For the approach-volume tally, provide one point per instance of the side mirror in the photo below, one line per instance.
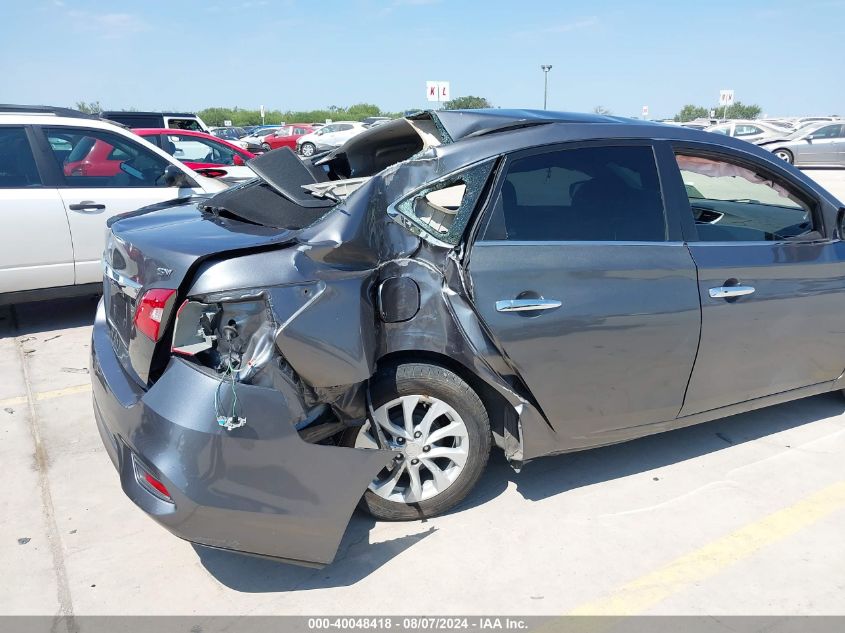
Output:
(840, 223)
(237, 160)
(175, 177)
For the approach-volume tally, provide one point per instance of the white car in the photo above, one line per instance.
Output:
(63, 174)
(328, 137)
(751, 131)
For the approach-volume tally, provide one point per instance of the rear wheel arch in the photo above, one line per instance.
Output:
(497, 406)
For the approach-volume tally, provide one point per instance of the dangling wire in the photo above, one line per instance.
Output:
(234, 420)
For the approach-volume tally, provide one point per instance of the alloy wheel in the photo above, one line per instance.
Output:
(431, 445)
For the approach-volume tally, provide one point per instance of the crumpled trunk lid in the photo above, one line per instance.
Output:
(158, 248)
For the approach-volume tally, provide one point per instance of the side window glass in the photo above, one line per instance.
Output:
(733, 203)
(443, 208)
(586, 194)
(99, 158)
(200, 150)
(747, 130)
(17, 165)
(828, 131)
(184, 124)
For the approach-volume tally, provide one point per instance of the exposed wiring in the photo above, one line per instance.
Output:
(230, 376)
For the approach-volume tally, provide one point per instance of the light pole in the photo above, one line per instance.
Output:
(546, 68)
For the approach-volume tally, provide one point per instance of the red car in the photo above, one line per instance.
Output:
(286, 137)
(201, 152)
(204, 153)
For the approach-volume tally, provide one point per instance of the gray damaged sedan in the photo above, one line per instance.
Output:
(365, 326)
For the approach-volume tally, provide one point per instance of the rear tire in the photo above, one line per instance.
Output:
(308, 149)
(424, 410)
(785, 155)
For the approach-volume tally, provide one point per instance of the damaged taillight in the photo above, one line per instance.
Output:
(231, 337)
(150, 311)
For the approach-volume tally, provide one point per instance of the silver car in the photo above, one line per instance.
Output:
(820, 144)
(751, 131)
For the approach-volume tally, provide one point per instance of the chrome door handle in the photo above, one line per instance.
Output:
(725, 292)
(524, 305)
(87, 205)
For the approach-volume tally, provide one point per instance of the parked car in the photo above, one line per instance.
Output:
(328, 137)
(58, 188)
(204, 153)
(370, 121)
(807, 120)
(751, 131)
(819, 144)
(253, 141)
(176, 120)
(783, 124)
(230, 134)
(372, 321)
(286, 136)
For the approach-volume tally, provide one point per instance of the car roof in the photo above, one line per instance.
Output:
(141, 113)
(461, 123)
(170, 130)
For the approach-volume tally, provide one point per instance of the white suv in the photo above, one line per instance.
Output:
(59, 184)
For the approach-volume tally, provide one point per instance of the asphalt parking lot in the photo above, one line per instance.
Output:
(738, 516)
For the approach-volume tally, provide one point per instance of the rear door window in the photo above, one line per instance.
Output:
(585, 194)
(17, 165)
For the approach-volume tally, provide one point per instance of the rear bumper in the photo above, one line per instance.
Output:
(259, 489)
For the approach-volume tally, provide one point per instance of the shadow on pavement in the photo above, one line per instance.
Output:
(356, 559)
(551, 476)
(47, 316)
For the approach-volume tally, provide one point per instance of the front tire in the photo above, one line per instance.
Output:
(440, 432)
(266, 147)
(308, 149)
(785, 155)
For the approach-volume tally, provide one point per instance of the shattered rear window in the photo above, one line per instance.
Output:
(442, 209)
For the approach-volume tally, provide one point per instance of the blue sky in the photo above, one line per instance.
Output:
(294, 54)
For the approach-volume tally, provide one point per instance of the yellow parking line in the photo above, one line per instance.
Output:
(8, 402)
(58, 393)
(649, 590)
(47, 395)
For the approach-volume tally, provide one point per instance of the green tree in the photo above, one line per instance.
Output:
(361, 111)
(92, 107)
(467, 103)
(739, 110)
(690, 112)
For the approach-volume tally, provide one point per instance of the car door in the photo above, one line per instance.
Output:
(822, 145)
(770, 281)
(585, 284)
(90, 200)
(36, 247)
(839, 147)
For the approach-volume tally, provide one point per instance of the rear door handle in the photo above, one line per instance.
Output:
(87, 205)
(725, 292)
(524, 305)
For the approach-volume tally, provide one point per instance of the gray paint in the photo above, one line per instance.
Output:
(624, 356)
